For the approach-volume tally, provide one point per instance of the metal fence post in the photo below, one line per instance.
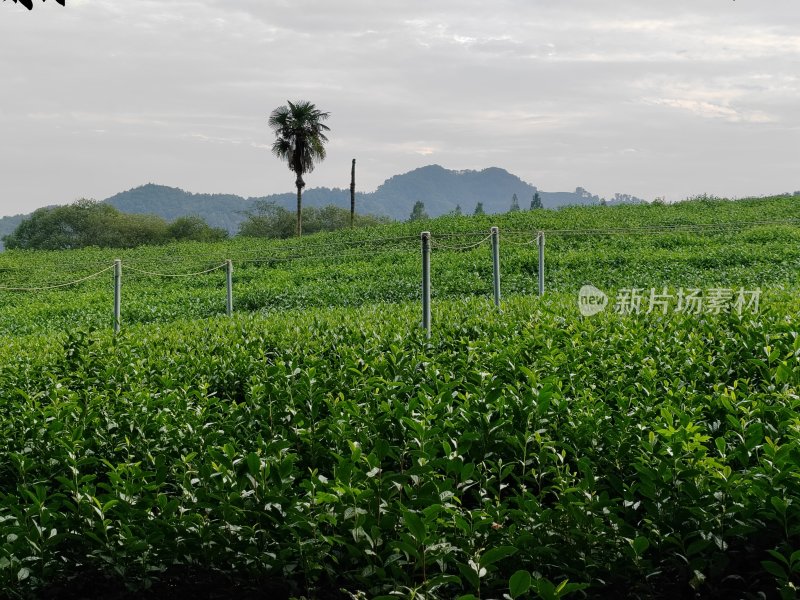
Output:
(496, 264)
(229, 282)
(117, 294)
(426, 282)
(540, 240)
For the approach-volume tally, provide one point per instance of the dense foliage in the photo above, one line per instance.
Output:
(320, 443)
(87, 223)
(267, 219)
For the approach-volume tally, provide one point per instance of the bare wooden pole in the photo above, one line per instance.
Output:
(353, 193)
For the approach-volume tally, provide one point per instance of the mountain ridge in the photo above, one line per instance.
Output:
(441, 190)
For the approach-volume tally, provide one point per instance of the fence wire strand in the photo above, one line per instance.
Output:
(366, 247)
(53, 287)
(435, 244)
(675, 228)
(154, 274)
(515, 243)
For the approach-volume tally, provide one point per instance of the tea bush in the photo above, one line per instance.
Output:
(320, 442)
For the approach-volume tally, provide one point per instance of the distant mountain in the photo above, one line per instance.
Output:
(219, 210)
(440, 189)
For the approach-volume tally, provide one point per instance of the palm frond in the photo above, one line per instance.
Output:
(299, 140)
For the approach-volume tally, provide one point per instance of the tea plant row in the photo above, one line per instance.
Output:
(524, 452)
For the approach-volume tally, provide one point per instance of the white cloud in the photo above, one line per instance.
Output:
(557, 92)
(714, 111)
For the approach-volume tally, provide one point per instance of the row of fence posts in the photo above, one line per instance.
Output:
(426, 279)
(118, 292)
(495, 238)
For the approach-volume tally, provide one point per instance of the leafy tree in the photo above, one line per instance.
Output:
(267, 219)
(479, 209)
(418, 212)
(457, 211)
(88, 223)
(130, 231)
(300, 141)
(195, 229)
(536, 202)
(85, 223)
(514, 203)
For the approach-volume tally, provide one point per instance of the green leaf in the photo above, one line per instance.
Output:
(640, 545)
(778, 504)
(253, 463)
(545, 589)
(775, 569)
(778, 556)
(407, 548)
(415, 525)
(325, 498)
(755, 434)
(23, 574)
(519, 583)
(494, 554)
(794, 559)
(783, 374)
(468, 573)
(441, 580)
(565, 587)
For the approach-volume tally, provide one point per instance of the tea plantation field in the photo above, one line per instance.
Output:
(317, 445)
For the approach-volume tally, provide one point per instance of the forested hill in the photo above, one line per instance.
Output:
(221, 210)
(440, 189)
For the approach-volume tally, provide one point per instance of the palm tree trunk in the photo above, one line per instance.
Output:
(300, 184)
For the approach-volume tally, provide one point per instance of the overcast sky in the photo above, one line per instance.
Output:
(670, 98)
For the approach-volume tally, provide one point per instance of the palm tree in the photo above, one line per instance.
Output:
(300, 140)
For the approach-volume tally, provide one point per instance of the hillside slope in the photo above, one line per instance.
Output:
(440, 189)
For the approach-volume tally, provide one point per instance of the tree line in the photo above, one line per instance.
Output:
(87, 223)
(418, 212)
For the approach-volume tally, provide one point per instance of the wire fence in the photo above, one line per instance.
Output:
(56, 286)
(367, 249)
(176, 275)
